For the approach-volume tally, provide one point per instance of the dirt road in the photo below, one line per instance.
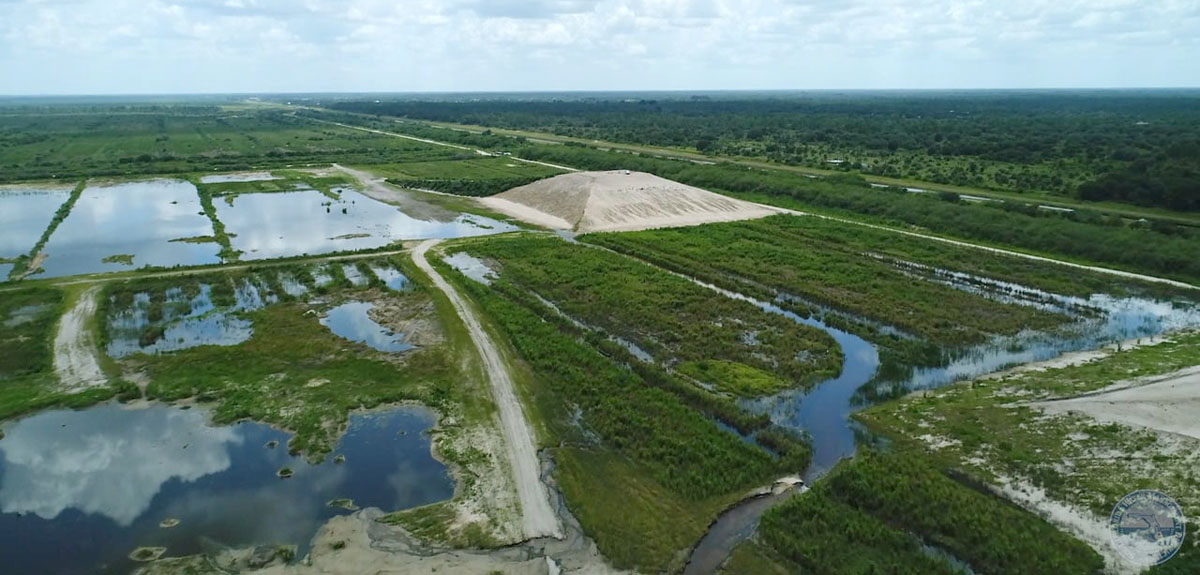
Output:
(75, 348)
(538, 518)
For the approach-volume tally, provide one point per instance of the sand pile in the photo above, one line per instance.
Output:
(619, 201)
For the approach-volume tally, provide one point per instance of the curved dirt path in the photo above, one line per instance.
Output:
(74, 348)
(537, 515)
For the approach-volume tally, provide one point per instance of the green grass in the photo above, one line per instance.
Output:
(467, 166)
(123, 259)
(649, 526)
(733, 377)
(873, 513)
(620, 431)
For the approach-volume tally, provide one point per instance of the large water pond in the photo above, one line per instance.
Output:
(80, 490)
(136, 219)
(24, 216)
(285, 224)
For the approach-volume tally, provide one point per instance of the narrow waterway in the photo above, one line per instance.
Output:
(824, 410)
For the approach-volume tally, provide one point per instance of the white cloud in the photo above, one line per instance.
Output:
(105, 461)
(321, 45)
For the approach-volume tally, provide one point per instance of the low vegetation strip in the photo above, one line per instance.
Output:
(787, 256)
(668, 317)
(27, 265)
(891, 505)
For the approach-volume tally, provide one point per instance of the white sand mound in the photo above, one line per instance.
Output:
(619, 201)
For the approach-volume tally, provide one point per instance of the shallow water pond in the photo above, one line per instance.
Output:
(183, 321)
(136, 219)
(391, 277)
(80, 490)
(309, 222)
(24, 216)
(472, 267)
(352, 321)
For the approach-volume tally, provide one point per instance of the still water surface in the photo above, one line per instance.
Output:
(80, 490)
(138, 219)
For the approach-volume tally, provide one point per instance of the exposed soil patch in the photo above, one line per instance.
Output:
(75, 349)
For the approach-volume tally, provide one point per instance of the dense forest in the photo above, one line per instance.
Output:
(1131, 146)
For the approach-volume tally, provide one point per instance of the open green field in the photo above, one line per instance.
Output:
(124, 141)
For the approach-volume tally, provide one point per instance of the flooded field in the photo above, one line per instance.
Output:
(24, 215)
(179, 320)
(130, 225)
(80, 490)
(5, 269)
(286, 224)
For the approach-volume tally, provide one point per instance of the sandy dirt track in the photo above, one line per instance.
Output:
(538, 518)
(620, 200)
(75, 348)
(1169, 403)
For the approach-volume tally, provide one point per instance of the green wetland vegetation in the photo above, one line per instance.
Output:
(797, 256)
(886, 513)
(622, 426)
(670, 318)
(292, 372)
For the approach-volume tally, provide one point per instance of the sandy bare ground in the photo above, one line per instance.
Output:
(620, 201)
(538, 518)
(1168, 403)
(1080, 523)
(75, 348)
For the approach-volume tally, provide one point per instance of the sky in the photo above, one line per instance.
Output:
(271, 46)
